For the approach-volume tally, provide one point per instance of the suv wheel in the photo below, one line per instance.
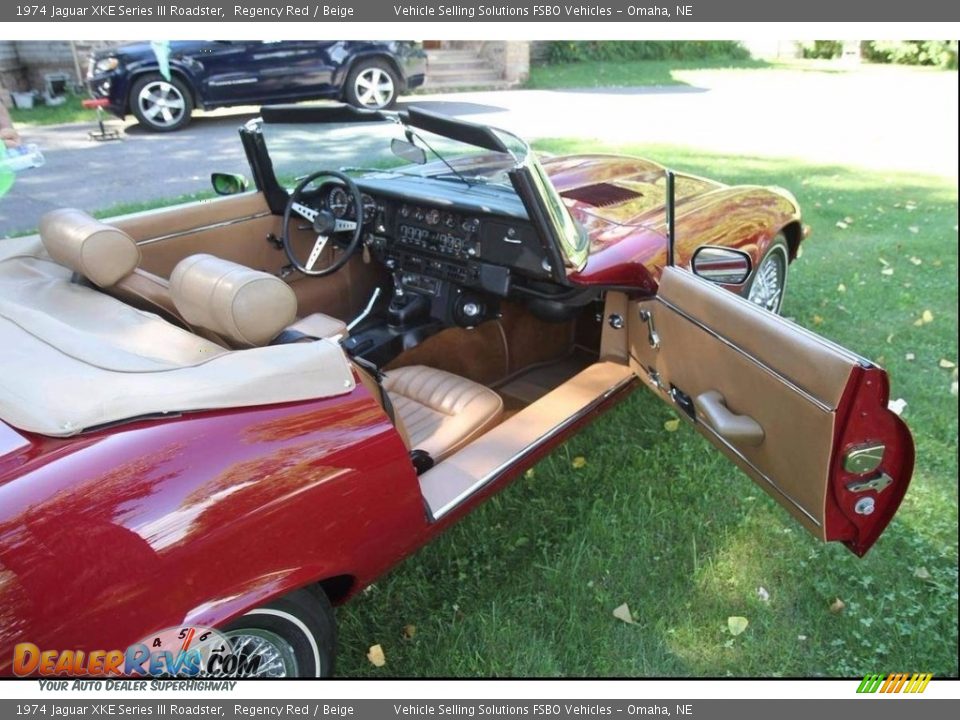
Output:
(372, 84)
(161, 105)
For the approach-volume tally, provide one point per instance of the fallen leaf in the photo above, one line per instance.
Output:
(887, 271)
(578, 462)
(883, 262)
(947, 364)
(848, 220)
(409, 631)
(530, 474)
(376, 657)
(672, 425)
(737, 624)
(914, 229)
(763, 594)
(927, 317)
(889, 338)
(922, 573)
(910, 357)
(801, 638)
(916, 261)
(897, 406)
(817, 320)
(622, 612)
(842, 225)
(841, 288)
(837, 606)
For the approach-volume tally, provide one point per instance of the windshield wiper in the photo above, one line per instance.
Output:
(408, 131)
(442, 176)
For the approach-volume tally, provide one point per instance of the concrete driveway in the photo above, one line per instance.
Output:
(879, 118)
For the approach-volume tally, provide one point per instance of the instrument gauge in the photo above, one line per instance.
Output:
(433, 217)
(338, 202)
(370, 207)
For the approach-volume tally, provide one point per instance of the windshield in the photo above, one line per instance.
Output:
(450, 151)
(297, 149)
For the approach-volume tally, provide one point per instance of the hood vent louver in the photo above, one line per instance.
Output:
(602, 194)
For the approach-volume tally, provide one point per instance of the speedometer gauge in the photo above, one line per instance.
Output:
(338, 201)
(369, 207)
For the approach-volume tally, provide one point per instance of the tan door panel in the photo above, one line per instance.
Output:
(236, 228)
(763, 390)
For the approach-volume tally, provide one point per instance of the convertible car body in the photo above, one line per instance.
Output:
(235, 413)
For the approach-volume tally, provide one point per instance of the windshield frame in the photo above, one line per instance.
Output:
(566, 240)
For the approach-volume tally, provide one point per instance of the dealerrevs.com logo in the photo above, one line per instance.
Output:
(895, 683)
(176, 652)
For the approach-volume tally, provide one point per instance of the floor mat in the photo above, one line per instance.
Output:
(533, 384)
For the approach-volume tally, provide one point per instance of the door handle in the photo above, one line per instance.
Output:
(737, 429)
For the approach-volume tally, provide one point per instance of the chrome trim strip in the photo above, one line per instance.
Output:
(769, 370)
(366, 311)
(759, 473)
(546, 437)
(212, 226)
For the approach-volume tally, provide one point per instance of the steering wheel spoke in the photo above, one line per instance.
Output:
(342, 225)
(308, 213)
(317, 251)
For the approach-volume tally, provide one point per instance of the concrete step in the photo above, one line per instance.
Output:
(440, 55)
(465, 84)
(483, 73)
(457, 64)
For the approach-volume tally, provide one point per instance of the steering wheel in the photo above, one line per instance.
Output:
(324, 224)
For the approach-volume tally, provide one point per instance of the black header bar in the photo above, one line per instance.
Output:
(420, 11)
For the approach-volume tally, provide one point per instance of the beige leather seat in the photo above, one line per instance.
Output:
(439, 411)
(109, 258)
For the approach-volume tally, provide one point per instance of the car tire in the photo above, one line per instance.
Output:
(161, 105)
(295, 636)
(769, 281)
(372, 85)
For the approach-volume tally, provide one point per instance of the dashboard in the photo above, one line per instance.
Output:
(477, 238)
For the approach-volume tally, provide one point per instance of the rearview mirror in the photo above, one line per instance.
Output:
(228, 183)
(408, 151)
(724, 266)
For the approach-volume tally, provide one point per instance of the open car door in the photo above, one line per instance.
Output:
(805, 418)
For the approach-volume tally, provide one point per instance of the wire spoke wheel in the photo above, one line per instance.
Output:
(769, 281)
(277, 658)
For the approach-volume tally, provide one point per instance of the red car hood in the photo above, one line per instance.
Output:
(613, 189)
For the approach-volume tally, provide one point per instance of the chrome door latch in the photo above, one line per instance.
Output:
(653, 338)
(877, 484)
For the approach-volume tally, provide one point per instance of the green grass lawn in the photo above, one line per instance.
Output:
(69, 112)
(526, 586)
(626, 74)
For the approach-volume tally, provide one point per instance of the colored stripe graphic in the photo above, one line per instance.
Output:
(895, 683)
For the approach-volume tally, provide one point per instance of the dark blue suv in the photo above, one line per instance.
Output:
(209, 74)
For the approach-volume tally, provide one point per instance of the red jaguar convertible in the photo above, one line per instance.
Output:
(236, 414)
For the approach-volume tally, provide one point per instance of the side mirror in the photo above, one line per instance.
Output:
(724, 266)
(228, 183)
(408, 151)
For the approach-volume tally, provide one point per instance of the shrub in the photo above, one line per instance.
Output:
(566, 51)
(823, 49)
(939, 53)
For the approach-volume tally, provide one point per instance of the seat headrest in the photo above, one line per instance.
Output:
(101, 253)
(244, 306)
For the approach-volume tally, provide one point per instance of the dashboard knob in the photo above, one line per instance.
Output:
(471, 225)
(471, 309)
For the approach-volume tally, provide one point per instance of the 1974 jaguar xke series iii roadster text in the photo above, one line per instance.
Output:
(236, 413)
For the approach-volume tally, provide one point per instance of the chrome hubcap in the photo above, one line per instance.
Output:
(768, 283)
(277, 656)
(374, 88)
(161, 103)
